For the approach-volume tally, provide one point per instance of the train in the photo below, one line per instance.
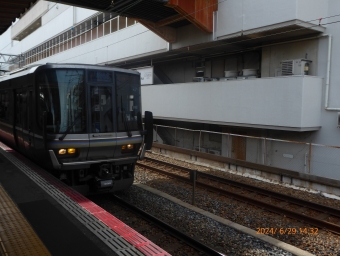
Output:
(82, 123)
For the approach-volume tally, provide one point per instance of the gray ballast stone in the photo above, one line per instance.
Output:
(209, 228)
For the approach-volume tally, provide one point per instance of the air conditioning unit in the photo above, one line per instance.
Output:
(295, 67)
(214, 152)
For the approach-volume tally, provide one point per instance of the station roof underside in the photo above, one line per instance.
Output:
(10, 10)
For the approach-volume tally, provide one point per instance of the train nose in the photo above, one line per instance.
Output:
(103, 178)
(105, 171)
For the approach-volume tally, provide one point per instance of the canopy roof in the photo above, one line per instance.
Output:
(10, 10)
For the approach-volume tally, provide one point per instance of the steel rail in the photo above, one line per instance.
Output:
(280, 210)
(173, 231)
(273, 194)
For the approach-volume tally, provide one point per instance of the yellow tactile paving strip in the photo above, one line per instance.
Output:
(16, 235)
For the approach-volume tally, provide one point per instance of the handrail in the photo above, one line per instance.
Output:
(248, 136)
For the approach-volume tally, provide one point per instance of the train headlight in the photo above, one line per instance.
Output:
(71, 151)
(127, 148)
(62, 151)
(68, 151)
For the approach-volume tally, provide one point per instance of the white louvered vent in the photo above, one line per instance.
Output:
(287, 67)
(295, 67)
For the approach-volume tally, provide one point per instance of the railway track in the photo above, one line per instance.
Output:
(316, 215)
(169, 238)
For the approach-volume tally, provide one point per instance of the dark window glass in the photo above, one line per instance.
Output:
(82, 38)
(99, 76)
(61, 93)
(4, 105)
(128, 101)
(17, 109)
(122, 22)
(101, 109)
(94, 28)
(100, 30)
(107, 28)
(130, 22)
(114, 25)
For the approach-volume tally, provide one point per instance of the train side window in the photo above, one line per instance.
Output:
(23, 102)
(4, 105)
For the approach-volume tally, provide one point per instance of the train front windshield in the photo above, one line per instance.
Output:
(61, 94)
(114, 101)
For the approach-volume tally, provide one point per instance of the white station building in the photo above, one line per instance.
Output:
(261, 68)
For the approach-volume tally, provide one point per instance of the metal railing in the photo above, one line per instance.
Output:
(304, 157)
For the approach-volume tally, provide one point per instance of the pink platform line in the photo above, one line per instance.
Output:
(130, 235)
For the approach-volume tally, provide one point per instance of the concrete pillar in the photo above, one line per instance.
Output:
(225, 147)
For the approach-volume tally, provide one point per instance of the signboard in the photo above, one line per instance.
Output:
(146, 75)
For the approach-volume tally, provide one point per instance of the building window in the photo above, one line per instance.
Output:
(96, 27)
(122, 22)
(114, 25)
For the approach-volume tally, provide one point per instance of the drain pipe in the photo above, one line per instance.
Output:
(328, 75)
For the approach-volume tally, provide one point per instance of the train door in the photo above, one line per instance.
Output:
(27, 122)
(102, 135)
(18, 116)
(23, 119)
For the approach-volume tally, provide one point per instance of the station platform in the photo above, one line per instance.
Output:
(40, 215)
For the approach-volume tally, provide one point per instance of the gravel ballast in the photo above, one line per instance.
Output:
(324, 243)
(227, 240)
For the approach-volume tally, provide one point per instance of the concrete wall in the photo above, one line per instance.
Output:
(179, 72)
(182, 71)
(278, 103)
(133, 41)
(40, 8)
(190, 35)
(273, 55)
(326, 161)
(301, 157)
(236, 16)
(314, 182)
(82, 14)
(60, 23)
(54, 11)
